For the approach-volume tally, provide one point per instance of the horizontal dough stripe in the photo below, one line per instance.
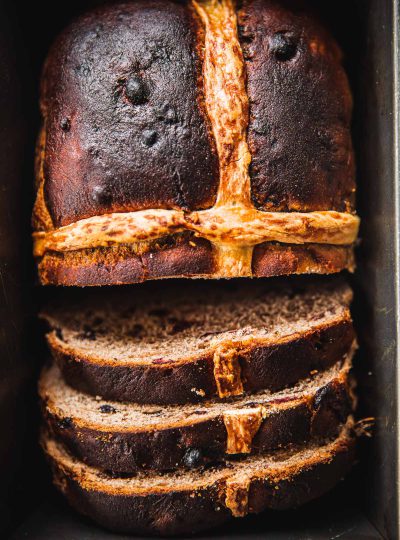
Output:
(235, 227)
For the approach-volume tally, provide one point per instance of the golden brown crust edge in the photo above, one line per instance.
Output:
(184, 256)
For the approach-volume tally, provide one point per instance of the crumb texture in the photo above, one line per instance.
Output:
(180, 323)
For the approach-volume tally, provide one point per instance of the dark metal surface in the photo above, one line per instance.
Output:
(15, 364)
(377, 308)
(365, 28)
(322, 520)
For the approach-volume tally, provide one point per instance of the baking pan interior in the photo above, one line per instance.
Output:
(365, 506)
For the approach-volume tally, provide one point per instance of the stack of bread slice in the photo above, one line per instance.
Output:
(196, 139)
(153, 398)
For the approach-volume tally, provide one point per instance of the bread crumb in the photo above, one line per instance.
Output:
(199, 392)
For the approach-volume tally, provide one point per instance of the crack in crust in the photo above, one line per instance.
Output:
(233, 225)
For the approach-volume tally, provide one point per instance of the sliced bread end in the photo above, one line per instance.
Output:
(191, 501)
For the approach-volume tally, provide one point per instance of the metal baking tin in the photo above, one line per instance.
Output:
(367, 504)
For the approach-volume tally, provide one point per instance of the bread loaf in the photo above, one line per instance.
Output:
(196, 139)
(192, 139)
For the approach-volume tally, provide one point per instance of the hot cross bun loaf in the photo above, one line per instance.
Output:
(194, 139)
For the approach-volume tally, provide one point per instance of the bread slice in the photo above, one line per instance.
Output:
(186, 344)
(126, 437)
(183, 256)
(189, 501)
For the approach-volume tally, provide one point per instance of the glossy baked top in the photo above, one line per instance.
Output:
(162, 118)
(124, 118)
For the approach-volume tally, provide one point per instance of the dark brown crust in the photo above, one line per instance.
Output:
(106, 152)
(183, 256)
(300, 110)
(192, 511)
(271, 367)
(318, 417)
(177, 256)
(283, 259)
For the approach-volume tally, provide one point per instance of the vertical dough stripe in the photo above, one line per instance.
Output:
(228, 108)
